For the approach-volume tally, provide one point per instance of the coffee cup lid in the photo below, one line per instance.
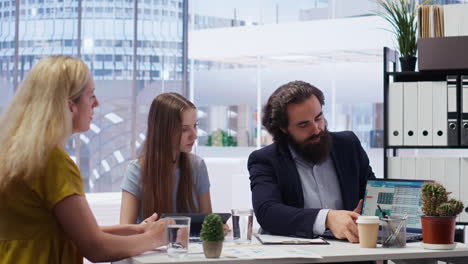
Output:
(368, 220)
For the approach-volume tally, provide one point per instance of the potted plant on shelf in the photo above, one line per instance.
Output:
(438, 221)
(212, 236)
(401, 14)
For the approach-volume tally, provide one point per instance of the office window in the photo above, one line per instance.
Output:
(107, 49)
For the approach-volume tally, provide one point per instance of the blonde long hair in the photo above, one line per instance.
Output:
(39, 118)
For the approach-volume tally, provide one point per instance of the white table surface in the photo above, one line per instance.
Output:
(336, 251)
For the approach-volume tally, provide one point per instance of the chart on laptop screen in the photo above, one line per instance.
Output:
(396, 198)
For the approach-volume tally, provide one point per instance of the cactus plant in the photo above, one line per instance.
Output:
(436, 203)
(212, 228)
(450, 208)
(438, 223)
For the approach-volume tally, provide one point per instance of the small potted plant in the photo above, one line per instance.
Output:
(438, 221)
(402, 14)
(212, 236)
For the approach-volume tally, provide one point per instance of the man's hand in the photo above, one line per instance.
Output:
(343, 223)
(358, 209)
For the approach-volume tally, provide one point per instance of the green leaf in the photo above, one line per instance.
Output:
(212, 228)
(401, 15)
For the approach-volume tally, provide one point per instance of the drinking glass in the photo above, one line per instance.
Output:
(178, 231)
(242, 220)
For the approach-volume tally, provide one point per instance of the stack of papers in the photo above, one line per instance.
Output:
(285, 240)
(262, 252)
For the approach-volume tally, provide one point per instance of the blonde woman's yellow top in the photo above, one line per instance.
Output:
(29, 230)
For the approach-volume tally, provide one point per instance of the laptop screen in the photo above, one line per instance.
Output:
(396, 197)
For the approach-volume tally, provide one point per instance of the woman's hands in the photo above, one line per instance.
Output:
(156, 229)
(150, 219)
(226, 229)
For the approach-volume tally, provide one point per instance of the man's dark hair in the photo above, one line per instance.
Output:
(275, 112)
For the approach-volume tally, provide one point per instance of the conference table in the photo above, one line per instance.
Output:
(335, 251)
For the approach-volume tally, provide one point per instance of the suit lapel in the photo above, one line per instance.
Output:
(339, 164)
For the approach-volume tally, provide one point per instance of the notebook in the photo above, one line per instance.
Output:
(196, 221)
(396, 197)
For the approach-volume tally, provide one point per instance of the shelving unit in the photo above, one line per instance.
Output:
(391, 74)
(391, 62)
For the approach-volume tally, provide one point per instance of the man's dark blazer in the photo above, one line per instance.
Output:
(277, 195)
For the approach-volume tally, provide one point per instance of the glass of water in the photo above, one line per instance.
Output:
(178, 233)
(242, 220)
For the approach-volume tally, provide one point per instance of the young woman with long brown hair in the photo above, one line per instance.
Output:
(166, 178)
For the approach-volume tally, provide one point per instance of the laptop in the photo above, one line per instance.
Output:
(396, 197)
(196, 221)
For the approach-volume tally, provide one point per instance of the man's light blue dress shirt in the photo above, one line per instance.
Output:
(320, 187)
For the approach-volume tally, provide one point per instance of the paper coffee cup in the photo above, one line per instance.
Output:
(368, 229)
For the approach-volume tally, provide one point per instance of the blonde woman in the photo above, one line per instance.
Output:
(44, 216)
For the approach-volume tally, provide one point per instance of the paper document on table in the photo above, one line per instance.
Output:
(195, 248)
(262, 252)
(285, 240)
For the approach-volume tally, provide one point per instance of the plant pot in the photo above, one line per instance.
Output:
(212, 249)
(438, 232)
(408, 63)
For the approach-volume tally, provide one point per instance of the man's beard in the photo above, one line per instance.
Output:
(317, 152)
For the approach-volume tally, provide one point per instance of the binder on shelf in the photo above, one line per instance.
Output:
(394, 167)
(410, 113)
(452, 113)
(455, 20)
(438, 169)
(452, 176)
(464, 112)
(408, 168)
(463, 30)
(395, 114)
(423, 168)
(452, 16)
(438, 21)
(430, 21)
(439, 113)
(424, 113)
(462, 188)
